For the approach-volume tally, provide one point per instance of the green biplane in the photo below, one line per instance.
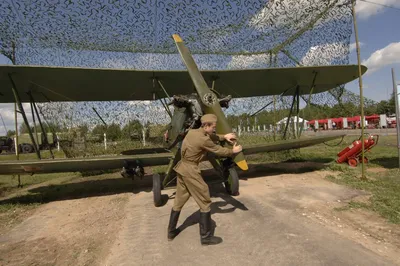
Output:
(44, 84)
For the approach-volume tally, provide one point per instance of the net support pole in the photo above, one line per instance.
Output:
(363, 176)
(397, 104)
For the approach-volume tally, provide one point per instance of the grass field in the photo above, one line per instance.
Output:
(384, 185)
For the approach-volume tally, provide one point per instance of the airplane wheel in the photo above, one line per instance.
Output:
(157, 190)
(232, 185)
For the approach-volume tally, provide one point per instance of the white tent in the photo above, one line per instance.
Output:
(293, 119)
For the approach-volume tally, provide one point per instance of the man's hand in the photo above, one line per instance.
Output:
(236, 148)
(230, 137)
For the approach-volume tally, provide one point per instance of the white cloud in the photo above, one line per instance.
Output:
(353, 46)
(317, 55)
(249, 61)
(383, 57)
(365, 10)
(301, 8)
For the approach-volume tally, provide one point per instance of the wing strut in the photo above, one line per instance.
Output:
(44, 132)
(162, 87)
(164, 103)
(22, 112)
(94, 109)
(291, 111)
(309, 99)
(268, 104)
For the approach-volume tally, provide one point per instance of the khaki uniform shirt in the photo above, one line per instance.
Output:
(195, 147)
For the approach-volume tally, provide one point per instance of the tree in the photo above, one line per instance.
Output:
(113, 132)
(83, 129)
(383, 107)
(24, 129)
(99, 130)
(10, 133)
(387, 107)
(133, 128)
(392, 105)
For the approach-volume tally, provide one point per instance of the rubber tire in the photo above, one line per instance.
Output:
(157, 190)
(26, 148)
(232, 187)
(365, 159)
(353, 162)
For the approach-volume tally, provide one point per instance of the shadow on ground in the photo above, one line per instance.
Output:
(386, 162)
(216, 207)
(109, 186)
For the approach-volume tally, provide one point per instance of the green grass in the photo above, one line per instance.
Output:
(31, 156)
(384, 187)
(384, 154)
(353, 205)
(8, 184)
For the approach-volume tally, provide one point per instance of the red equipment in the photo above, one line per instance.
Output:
(352, 153)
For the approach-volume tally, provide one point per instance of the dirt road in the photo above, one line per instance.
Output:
(287, 219)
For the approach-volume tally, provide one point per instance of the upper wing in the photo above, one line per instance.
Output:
(95, 84)
(288, 144)
(82, 164)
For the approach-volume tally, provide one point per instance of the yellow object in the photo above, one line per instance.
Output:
(243, 165)
(176, 38)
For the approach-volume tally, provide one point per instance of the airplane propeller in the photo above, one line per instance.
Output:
(208, 98)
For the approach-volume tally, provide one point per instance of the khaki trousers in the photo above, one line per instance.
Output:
(191, 184)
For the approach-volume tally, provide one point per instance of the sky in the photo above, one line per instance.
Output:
(379, 36)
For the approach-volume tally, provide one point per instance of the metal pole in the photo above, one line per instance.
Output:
(162, 87)
(274, 126)
(144, 136)
(16, 131)
(21, 109)
(13, 60)
(290, 115)
(396, 100)
(105, 141)
(308, 101)
(44, 132)
(16, 140)
(94, 109)
(5, 128)
(361, 91)
(298, 112)
(34, 125)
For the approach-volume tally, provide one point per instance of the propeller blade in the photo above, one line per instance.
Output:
(208, 98)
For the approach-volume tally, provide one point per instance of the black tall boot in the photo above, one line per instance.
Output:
(173, 220)
(206, 237)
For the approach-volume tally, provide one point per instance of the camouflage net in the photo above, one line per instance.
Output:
(137, 35)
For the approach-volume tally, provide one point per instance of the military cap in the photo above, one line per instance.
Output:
(209, 118)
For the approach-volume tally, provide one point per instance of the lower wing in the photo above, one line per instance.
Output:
(83, 164)
(288, 144)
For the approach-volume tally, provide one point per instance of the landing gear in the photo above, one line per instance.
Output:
(157, 190)
(27, 148)
(232, 183)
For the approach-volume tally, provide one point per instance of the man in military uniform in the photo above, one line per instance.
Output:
(189, 181)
